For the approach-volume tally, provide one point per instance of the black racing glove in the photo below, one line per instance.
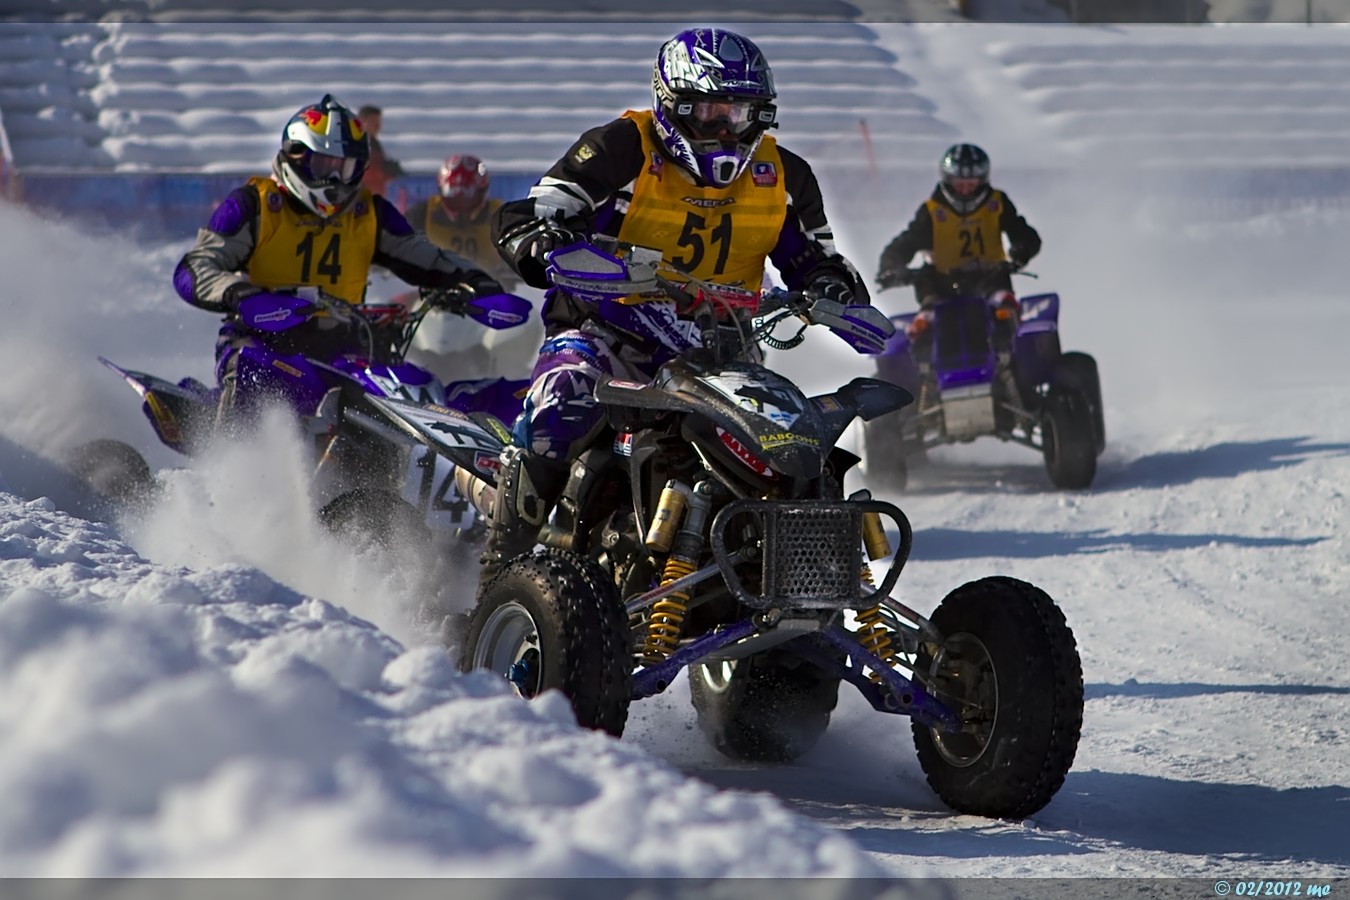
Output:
(483, 285)
(237, 293)
(527, 246)
(456, 298)
(830, 287)
(889, 278)
(1018, 257)
(549, 237)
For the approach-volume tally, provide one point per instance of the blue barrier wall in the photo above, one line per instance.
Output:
(172, 205)
(169, 206)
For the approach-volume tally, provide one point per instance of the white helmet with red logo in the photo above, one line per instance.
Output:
(463, 180)
(324, 152)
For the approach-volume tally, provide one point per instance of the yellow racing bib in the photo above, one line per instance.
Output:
(967, 241)
(722, 235)
(471, 240)
(294, 250)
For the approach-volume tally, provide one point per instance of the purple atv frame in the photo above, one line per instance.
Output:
(972, 384)
(368, 474)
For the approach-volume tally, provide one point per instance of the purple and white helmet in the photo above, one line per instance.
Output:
(712, 93)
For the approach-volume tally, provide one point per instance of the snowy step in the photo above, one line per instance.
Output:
(214, 96)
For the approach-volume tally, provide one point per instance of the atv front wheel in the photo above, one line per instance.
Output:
(1078, 371)
(113, 470)
(1009, 668)
(1069, 443)
(770, 707)
(549, 621)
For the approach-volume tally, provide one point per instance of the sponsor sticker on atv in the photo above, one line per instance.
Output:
(741, 452)
(487, 463)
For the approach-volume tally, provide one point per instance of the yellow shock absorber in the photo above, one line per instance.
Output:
(873, 632)
(667, 618)
(875, 637)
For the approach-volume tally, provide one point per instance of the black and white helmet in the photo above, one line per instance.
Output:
(324, 152)
(965, 177)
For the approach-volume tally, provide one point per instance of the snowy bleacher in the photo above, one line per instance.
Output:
(46, 75)
(168, 113)
(211, 98)
(1268, 96)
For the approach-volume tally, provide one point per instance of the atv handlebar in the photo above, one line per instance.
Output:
(958, 281)
(387, 329)
(496, 311)
(590, 272)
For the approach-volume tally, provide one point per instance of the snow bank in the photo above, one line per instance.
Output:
(172, 722)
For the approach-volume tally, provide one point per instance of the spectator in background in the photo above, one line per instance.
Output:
(382, 168)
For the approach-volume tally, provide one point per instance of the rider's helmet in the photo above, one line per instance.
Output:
(463, 180)
(965, 177)
(712, 94)
(324, 152)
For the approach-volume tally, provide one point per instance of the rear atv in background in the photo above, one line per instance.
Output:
(709, 531)
(978, 369)
(368, 478)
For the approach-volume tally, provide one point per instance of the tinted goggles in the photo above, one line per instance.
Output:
(709, 118)
(321, 167)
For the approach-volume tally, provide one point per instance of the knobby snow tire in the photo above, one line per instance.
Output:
(1078, 371)
(113, 470)
(584, 641)
(887, 453)
(1037, 681)
(773, 707)
(1070, 443)
(372, 514)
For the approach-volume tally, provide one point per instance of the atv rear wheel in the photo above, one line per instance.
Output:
(1009, 668)
(770, 707)
(550, 621)
(113, 470)
(1078, 371)
(1069, 443)
(887, 450)
(371, 515)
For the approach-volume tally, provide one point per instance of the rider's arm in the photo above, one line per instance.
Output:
(417, 215)
(210, 275)
(1024, 242)
(603, 161)
(805, 249)
(412, 257)
(917, 237)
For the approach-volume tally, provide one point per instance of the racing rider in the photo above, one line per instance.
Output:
(695, 176)
(310, 224)
(961, 225)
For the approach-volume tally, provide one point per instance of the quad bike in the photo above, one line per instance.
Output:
(709, 531)
(367, 476)
(978, 370)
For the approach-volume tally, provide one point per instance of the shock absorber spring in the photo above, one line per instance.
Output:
(667, 617)
(875, 636)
